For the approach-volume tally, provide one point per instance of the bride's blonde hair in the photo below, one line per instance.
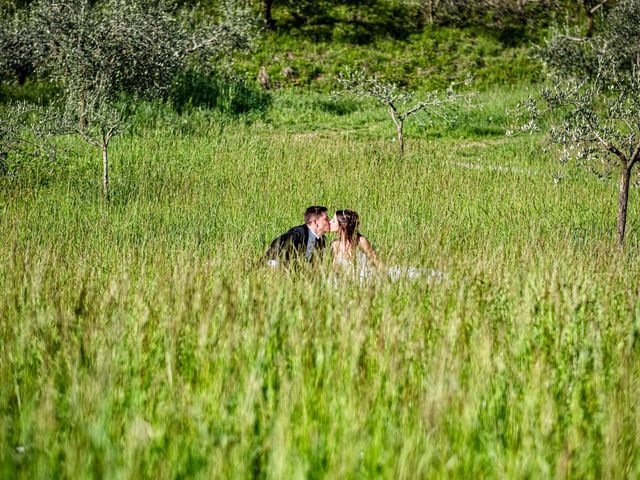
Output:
(348, 222)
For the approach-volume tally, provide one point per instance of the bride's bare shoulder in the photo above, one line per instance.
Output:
(367, 248)
(364, 242)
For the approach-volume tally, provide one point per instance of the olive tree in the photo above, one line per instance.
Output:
(99, 50)
(96, 51)
(596, 86)
(399, 103)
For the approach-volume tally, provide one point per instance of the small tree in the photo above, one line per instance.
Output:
(100, 50)
(597, 85)
(399, 103)
(102, 120)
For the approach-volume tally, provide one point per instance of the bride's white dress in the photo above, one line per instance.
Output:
(360, 268)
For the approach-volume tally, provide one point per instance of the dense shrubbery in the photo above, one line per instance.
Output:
(512, 21)
(226, 93)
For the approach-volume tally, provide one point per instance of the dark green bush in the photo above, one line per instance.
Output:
(338, 106)
(227, 93)
(31, 91)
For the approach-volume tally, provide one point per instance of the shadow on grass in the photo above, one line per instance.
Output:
(226, 93)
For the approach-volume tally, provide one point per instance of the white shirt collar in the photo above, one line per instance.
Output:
(313, 234)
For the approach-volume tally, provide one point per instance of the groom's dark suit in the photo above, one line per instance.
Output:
(292, 245)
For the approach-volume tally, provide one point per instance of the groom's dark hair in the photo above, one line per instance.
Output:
(313, 213)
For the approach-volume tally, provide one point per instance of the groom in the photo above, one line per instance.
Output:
(303, 242)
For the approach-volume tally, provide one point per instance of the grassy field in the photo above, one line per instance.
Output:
(141, 338)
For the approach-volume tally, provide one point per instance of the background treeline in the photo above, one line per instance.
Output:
(362, 21)
(293, 26)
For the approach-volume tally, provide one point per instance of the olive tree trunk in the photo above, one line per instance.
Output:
(398, 120)
(105, 169)
(83, 122)
(589, 13)
(626, 166)
(623, 200)
(399, 128)
(268, 18)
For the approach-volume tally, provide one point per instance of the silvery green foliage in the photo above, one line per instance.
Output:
(600, 126)
(22, 123)
(400, 103)
(568, 54)
(131, 44)
(135, 46)
(363, 86)
(27, 128)
(13, 133)
(103, 119)
(596, 83)
(217, 37)
(122, 46)
(389, 94)
(18, 46)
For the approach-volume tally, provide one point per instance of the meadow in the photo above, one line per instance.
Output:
(142, 338)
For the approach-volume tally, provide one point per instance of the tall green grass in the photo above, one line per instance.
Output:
(141, 338)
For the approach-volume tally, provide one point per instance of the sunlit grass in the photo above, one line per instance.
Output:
(142, 339)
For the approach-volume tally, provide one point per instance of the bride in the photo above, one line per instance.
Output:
(353, 253)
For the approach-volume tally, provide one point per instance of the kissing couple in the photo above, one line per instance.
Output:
(305, 243)
(350, 250)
